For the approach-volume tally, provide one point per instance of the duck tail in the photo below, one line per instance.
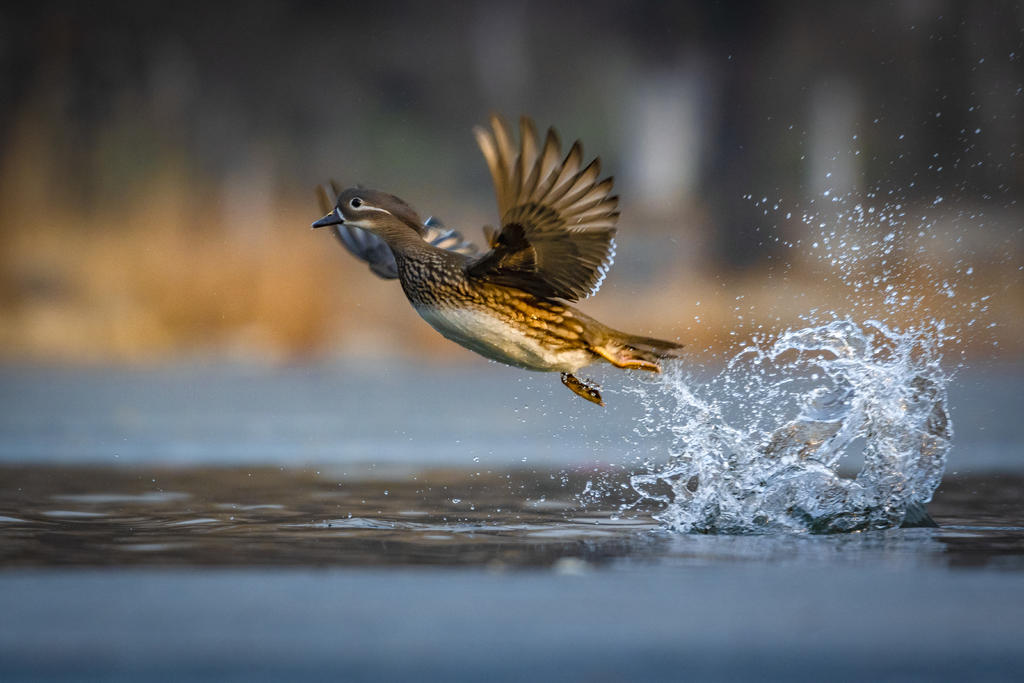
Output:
(635, 352)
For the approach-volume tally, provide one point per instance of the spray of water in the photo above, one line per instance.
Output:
(763, 445)
(837, 426)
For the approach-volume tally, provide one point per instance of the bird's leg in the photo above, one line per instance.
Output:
(582, 389)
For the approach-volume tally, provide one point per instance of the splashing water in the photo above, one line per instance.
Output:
(830, 387)
(838, 426)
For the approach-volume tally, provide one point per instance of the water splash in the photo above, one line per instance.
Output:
(839, 423)
(763, 445)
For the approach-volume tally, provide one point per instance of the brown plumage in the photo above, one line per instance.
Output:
(555, 245)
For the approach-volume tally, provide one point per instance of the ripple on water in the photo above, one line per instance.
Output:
(108, 498)
(73, 514)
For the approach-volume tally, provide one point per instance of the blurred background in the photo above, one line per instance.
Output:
(192, 380)
(158, 160)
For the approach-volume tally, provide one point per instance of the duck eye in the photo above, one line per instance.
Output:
(356, 202)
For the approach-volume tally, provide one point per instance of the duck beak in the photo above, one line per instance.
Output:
(333, 218)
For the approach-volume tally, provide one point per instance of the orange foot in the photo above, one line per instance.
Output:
(582, 389)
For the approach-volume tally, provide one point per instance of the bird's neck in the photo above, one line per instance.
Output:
(403, 240)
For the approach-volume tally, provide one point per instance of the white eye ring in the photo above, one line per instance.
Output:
(356, 202)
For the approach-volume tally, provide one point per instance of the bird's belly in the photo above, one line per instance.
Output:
(494, 338)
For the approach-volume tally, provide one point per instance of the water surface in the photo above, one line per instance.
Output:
(237, 523)
(133, 516)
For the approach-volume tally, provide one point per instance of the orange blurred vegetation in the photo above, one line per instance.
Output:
(151, 283)
(154, 167)
(169, 273)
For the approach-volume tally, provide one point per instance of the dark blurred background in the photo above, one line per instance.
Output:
(157, 162)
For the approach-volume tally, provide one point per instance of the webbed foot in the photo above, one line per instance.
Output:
(582, 389)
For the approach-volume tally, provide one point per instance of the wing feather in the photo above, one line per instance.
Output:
(567, 174)
(548, 166)
(557, 218)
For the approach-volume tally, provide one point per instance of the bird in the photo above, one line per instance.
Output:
(512, 302)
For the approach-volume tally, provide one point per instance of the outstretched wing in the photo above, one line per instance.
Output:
(557, 218)
(375, 251)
